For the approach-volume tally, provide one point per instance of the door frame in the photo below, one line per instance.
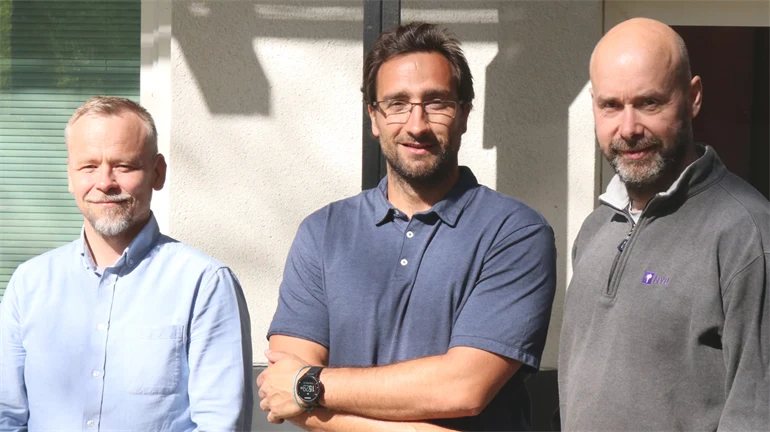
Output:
(741, 13)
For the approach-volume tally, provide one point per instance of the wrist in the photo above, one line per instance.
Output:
(308, 389)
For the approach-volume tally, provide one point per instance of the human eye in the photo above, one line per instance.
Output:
(396, 106)
(438, 105)
(650, 103)
(124, 167)
(609, 105)
(87, 168)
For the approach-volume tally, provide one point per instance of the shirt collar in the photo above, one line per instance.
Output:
(697, 176)
(448, 209)
(135, 251)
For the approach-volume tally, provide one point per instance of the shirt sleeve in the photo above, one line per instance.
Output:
(14, 408)
(220, 384)
(746, 349)
(510, 308)
(302, 311)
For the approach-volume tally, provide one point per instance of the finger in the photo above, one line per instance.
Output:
(274, 356)
(264, 406)
(262, 394)
(272, 418)
(261, 378)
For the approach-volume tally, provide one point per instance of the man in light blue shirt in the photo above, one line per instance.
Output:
(125, 328)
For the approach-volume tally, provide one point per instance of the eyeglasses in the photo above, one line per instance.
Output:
(436, 110)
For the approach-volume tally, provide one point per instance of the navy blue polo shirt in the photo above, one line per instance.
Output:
(375, 287)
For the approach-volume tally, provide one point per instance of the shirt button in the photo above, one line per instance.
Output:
(101, 327)
(90, 423)
(395, 212)
(404, 262)
(95, 373)
(130, 262)
(409, 234)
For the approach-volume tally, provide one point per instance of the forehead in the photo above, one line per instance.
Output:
(415, 74)
(632, 73)
(121, 134)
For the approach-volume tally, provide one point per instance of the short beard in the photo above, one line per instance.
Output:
(435, 174)
(112, 222)
(660, 165)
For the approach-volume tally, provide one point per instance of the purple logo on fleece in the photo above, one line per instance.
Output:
(650, 278)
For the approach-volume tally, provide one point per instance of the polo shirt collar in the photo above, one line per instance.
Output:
(139, 247)
(448, 209)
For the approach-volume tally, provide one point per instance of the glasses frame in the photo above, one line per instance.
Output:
(376, 105)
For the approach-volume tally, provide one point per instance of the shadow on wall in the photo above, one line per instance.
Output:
(223, 33)
(540, 68)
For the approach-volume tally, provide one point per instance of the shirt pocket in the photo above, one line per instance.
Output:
(154, 359)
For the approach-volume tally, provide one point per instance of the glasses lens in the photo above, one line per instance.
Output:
(436, 111)
(396, 107)
(441, 107)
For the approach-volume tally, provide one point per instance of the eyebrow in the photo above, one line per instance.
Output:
(427, 95)
(600, 99)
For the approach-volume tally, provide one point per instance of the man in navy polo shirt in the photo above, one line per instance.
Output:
(428, 297)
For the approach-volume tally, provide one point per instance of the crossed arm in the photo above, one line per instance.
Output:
(395, 397)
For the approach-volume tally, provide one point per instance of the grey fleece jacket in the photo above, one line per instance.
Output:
(672, 332)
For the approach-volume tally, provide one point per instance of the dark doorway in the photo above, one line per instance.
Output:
(733, 63)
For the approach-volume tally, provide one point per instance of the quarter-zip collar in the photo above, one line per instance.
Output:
(700, 174)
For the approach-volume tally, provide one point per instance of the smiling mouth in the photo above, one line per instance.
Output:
(416, 145)
(636, 153)
(108, 203)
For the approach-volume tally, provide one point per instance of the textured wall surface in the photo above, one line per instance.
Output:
(265, 128)
(264, 121)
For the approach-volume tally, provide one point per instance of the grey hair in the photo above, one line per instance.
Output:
(111, 105)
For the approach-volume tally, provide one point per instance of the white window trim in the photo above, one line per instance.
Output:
(155, 90)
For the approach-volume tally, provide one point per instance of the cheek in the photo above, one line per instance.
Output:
(138, 186)
(665, 128)
(606, 129)
(388, 132)
(81, 185)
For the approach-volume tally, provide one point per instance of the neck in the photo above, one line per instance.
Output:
(414, 197)
(641, 195)
(106, 250)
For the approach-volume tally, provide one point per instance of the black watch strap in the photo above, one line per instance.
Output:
(314, 371)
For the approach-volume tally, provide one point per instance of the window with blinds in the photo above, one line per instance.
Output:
(53, 56)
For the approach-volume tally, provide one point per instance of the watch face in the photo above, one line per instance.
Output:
(308, 388)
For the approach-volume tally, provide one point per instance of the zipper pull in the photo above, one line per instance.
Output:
(622, 244)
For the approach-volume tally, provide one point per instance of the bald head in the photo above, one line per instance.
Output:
(643, 101)
(643, 43)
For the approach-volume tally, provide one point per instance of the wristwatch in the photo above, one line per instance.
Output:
(309, 387)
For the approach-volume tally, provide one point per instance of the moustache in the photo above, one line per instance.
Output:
(421, 141)
(619, 145)
(108, 198)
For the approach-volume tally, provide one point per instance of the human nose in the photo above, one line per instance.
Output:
(105, 179)
(417, 123)
(629, 126)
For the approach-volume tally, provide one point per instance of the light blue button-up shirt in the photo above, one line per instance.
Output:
(158, 342)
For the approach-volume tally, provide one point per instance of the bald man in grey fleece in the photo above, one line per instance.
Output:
(666, 323)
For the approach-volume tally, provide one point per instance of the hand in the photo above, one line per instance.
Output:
(277, 386)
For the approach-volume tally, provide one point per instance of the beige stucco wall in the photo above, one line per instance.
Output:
(260, 117)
